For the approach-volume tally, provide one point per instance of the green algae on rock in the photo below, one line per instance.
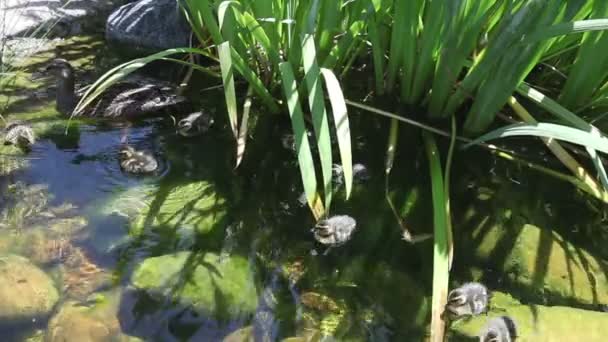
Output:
(222, 289)
(26, 292)
(538, 323)
(195, 205)
(91, 321)
(541, 265)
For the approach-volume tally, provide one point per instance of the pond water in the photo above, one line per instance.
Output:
(203, 252)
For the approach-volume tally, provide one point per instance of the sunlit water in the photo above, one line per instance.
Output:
(377, 287)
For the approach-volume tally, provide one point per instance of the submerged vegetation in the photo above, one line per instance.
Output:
(473, 71)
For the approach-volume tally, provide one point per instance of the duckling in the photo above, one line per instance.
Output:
(134, 161)
(334, 231)
(499, 329)
(470, 299)
(194, 124)
(128, 98)
(19, 134)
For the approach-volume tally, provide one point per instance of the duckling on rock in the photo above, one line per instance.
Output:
(334, 231)
(470, 299)
(19, 134)
(128, 98)
(138, 162)
(194, 124)
(499, 329)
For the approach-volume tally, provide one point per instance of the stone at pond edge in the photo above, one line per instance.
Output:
(541, 265)
(77, 323)
(539, 323)
(218, 288)
(26, 292)
(148, 26)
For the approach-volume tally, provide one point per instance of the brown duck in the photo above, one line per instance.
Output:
(132, 97)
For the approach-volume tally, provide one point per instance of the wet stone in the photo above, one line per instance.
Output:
(213, 287)
(542, 266)
(537, 322)
(26, 292)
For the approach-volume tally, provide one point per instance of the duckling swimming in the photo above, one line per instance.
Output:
(127, 98)
(194, 124)
(334, 231)
(470, 299)
(499, 329)
(138, 162)
(19, 134)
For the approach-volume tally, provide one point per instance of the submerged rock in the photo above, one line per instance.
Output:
(90, 321)
(26, 292)
(542, 266)
(538, 322)
(196, 205)
(222, 289)
(149, 25)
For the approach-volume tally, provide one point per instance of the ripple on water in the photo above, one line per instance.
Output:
(91, 171)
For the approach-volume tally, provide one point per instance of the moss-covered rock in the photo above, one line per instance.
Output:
(195, 205)
(26, 292)
(542, 266)
(93, 320)
(218, 288)
(538, 323)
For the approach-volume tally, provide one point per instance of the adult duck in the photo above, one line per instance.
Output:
(129, 98)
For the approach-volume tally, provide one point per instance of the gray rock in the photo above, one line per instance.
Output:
(58, 17)
(26, 292)
(148, 26)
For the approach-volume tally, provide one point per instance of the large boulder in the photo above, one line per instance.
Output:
(26, 292)
(148, 26)
(538, 322)
(213, 286)
(60, 17)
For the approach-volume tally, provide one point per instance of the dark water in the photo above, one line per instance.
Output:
(377, 287)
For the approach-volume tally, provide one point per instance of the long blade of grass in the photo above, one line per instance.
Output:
(228, 81)
(241, 141)
(340, 113)
(441, 246)
(552, 106)
(561, 29)
(589, 71)
(312, 77)
(398, 32)
(377, 54)
(305, 161)
(548, 130)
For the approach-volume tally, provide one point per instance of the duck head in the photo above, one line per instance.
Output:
(126, 152)
(60, 68)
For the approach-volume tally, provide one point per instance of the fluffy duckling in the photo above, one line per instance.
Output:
(194, 124)
(334, 231)
(131, 97)
(138, 162)
(470, 299)
(19, 134)
(499, 329)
